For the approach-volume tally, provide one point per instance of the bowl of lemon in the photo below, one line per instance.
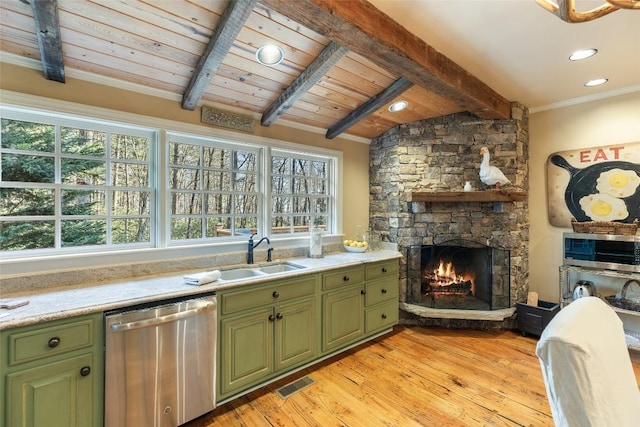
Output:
(355, 245)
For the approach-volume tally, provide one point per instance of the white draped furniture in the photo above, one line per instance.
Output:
(587, 369)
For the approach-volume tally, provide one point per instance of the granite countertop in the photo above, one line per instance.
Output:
(64, 303)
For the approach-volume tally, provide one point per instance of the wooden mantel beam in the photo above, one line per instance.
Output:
(45, 14)
(229, 25)
(364, 29)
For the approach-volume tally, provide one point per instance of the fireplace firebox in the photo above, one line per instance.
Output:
(458, 274)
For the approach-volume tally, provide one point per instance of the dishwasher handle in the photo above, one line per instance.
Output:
(201, 308)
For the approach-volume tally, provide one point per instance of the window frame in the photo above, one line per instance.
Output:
(58, 186)
(18, 264)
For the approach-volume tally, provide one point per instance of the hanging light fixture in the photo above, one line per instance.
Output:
(566, 9)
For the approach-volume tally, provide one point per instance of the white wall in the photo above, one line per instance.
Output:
(607, 121)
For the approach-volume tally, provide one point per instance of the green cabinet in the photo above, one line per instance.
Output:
(265, 330)
(342, 307)
(52, 374)
(358, 302)
(381, 296)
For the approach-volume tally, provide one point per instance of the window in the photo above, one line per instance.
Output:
(300, 196)
(70, 184)
(213, 189)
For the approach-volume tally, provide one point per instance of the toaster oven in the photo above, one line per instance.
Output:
(606, 251)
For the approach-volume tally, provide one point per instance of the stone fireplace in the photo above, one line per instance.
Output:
(458, 274)
(438, 156)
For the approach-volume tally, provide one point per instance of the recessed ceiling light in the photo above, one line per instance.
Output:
(269, 55)
(582, 54)
(398, 106)
(596, 82)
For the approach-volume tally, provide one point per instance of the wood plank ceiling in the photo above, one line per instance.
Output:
(345, 61)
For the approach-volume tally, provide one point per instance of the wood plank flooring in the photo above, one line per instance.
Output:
(411, 377)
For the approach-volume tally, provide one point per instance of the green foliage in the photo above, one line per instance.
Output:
(29, 156)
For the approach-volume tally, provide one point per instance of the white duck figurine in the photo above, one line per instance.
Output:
(491, 175)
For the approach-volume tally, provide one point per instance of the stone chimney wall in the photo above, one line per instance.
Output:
(440, 155)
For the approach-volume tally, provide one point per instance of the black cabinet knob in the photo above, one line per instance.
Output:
(362, 292)
(272, 318)
(85, 370)
(54, 342)
(279, 316)
(384, 270)
(384, 291)
(345, 278)
(384, 316)
(275, 294)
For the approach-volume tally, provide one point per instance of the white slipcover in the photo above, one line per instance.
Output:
(587, 369)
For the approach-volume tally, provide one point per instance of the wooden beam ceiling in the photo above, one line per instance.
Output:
(360, 27)
(304, 82)
(45, 14)
(372, 105)
(231, 22)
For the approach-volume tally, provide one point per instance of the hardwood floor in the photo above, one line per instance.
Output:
(411, 377)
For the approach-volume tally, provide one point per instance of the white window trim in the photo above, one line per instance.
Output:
(10, 266)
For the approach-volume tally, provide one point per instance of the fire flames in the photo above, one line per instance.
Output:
(445, 274)
(444, 279)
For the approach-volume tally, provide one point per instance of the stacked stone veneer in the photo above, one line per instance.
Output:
(440, 155)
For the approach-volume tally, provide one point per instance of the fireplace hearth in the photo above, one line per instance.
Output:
(458, 274)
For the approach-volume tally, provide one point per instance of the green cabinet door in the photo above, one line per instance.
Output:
(58, 394)
(295, 334)
(246, 350)
(342, 317)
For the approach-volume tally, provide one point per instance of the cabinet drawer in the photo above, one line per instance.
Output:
(382, 269)
(48, 341)
(381, 317)
(380, 290)
(344, 277)
(258, 296)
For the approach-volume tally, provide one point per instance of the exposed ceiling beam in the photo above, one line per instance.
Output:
(364, 29)
(230, 23)
(45, 14)
(305, 81)
(372, 105)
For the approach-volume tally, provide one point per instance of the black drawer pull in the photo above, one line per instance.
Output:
(384, 270)
(275, 294)
(54, 342)
(85, 370)
(345, 278)
(384, 316)
(271, 318)
(384, 291)
(362, 292)
(279, 316)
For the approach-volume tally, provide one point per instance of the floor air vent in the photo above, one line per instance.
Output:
(294, 387)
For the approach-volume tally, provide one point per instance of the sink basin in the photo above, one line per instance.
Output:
(280, 268)
(240, 273)
(248, 272)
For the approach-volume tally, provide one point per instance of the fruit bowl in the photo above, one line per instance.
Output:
(355, 246)
(355, 249)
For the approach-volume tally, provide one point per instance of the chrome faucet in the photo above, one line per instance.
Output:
(251, 247)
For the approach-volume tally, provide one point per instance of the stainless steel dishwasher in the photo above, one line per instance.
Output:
(160, 363)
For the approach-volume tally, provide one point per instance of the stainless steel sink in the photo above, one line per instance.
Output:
(259, 270)
(240, 273)
(280, 268)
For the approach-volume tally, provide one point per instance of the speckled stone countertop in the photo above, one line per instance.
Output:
(63, 303)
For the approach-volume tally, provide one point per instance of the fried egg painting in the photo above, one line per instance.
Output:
(603, 207)
(618, 183)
